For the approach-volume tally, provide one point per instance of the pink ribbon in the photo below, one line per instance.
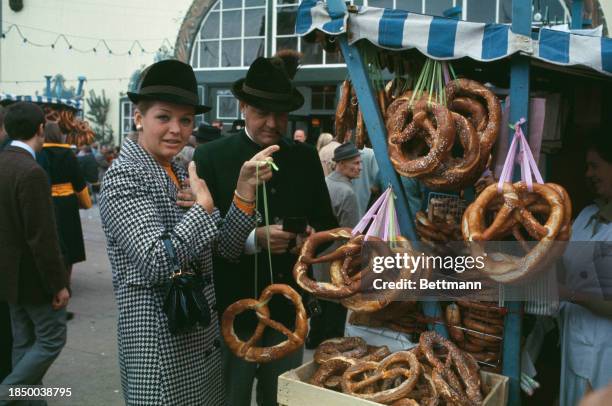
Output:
(529, 168)
(445, 72)
(383, 218)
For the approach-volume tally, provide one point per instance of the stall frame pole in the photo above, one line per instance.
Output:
(577, 19)
(519, 108)
(376, 131)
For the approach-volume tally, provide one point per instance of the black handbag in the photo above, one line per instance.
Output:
(185, 303)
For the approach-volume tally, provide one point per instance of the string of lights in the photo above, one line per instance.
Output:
(101, 46)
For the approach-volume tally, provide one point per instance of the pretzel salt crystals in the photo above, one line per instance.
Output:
(247, 349)
(308, 257)
(475, 90)
(434, 124)
(472, 110)
(408, 371)
(453, 173)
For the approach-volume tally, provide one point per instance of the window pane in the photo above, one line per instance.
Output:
(209, 54)
(358, 2)
(437, 7)
(481, 11)
(253, 48)
(232, 24)
(210, 29)
(227, 105)
(287, 1)
(555, 11)
(317, 101)
(313, 53)
(334, 57)
(330, 100)
(217, 6)
(381, 3)
(232, 3)
(255, 22)
(505, 11)
(286, 43)
(409, 5)
(285, 21)
(230, 53)
(253, 3)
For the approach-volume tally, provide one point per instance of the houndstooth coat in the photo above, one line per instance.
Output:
(137, 205)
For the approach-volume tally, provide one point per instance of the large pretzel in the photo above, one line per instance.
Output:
(455, 173)
(366, 301)
(346, 111)
(350, 347)
(468, 370)
(508, 268)
(308, 257)
(248, 349)
(402, 364)
(472, 89)
(439, 137)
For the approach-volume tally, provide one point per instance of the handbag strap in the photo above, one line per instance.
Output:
(176, 266)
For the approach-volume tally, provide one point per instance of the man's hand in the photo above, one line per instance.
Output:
(279, 239)
(200, 189)
(60, 300)
(254, 172)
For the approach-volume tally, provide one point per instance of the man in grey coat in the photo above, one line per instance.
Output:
(339, 183)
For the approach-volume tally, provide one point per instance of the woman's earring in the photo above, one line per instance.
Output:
(138, 127)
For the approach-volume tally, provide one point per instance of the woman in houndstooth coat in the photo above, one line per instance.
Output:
(142, 199)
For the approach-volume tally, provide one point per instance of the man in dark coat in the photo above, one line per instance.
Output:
(296, 191)
(33, 278)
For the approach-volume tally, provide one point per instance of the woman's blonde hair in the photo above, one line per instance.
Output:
(324, 139)
(53, 133)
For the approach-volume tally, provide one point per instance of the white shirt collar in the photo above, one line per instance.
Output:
(21, 144)
(246, 131)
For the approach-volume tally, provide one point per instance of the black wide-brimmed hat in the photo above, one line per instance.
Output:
(345, 151)
(207, 132)
(267, 86)
(170, 81)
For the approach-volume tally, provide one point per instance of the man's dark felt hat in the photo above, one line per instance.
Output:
(170, 81)
(207, 132)
(268, 87)
(345, 151)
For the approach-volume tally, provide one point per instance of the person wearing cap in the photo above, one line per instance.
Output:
(344, 200)
(296, 190)
(207, 133)
(147, 198)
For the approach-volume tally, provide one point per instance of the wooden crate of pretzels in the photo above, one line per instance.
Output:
(347, 371)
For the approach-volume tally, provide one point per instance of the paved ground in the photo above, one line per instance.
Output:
(88, 363)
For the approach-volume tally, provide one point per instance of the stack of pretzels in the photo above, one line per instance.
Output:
(477, 328)
(402, 316)
(424, 136)
(515, 212)
(77, 131)
(437, 229)
(350, 278)
(434, 372)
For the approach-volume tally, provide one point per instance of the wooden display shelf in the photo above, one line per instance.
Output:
(294, 390)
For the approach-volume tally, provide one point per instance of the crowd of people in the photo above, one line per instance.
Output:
(198, 198)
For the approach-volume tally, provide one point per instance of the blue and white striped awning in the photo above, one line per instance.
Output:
(71, 103)
(443, 38)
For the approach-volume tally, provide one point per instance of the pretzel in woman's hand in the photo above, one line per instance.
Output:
(401, 364)
(248, 350)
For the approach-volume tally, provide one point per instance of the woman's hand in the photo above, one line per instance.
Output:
(200, 189)
(254, 172)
